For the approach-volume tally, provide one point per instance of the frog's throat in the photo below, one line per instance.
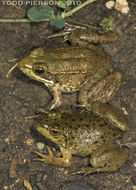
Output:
(30, 74)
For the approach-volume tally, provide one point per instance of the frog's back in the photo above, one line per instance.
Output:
(75, 60)
(72, 65)
(86, 133)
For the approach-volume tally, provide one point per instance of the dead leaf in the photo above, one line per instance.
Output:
(27, 184)
(12, 170)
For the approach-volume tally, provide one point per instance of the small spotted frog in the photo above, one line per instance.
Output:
(84, 69)
(82, 134)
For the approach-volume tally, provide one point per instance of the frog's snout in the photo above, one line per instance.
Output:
(22, 65)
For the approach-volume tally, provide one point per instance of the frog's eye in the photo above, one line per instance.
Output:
(39, 70)
(54, 131)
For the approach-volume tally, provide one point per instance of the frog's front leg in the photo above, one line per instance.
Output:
(57, 97)
(107, 158)
(103, 90)
(64, 161)
(108, 112)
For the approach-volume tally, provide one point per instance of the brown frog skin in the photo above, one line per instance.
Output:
(84, 135)
(84, 69)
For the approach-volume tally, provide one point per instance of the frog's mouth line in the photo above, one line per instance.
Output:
(45, 132)
(28, 71)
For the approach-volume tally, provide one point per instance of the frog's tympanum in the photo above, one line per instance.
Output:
(84, 69)
(84, 135)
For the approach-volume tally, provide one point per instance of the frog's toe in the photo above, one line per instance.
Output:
(86, 171)
(83, 107)
(39, 154)
(49, 151)
(41, 110)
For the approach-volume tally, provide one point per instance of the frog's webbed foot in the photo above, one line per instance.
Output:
(64, 161)
(87, 171)
(41, 110)
(44, 158)
(84, 107)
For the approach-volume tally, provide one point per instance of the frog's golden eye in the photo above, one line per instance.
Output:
(39, 70)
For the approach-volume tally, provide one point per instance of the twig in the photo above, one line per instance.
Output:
(15, 20)
(64, 15)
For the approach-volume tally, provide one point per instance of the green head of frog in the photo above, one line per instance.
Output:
(34, 66)
(51, 130)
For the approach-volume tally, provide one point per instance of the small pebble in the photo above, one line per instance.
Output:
(66, 172)
(124, 110)
(110, 4)
(122, 6)
(40, 145)
(30, 142)
(44, 177)
(7, 140)
(5, 187)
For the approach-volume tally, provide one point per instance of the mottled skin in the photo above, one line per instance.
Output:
(81, 134)
(84, 69)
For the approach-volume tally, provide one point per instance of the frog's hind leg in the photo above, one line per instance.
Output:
(107, 158)
(104, 90)
(108, 112)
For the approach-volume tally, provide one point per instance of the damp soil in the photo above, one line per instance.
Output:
(20, 97)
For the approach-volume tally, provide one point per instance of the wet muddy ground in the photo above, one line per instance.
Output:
(20, 97)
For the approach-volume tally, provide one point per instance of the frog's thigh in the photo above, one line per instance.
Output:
(104, 90)
(108, 112)
(109, 158)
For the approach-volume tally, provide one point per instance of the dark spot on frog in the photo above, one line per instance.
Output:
(102, 124)
(81, 140)
(57, 81)
(88, 131)
(95, 142)
(114, 134)
(105, 164)
(82, 132)
(73, 119)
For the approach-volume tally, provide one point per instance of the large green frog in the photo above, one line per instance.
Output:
(82, 134)
(84, 69)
